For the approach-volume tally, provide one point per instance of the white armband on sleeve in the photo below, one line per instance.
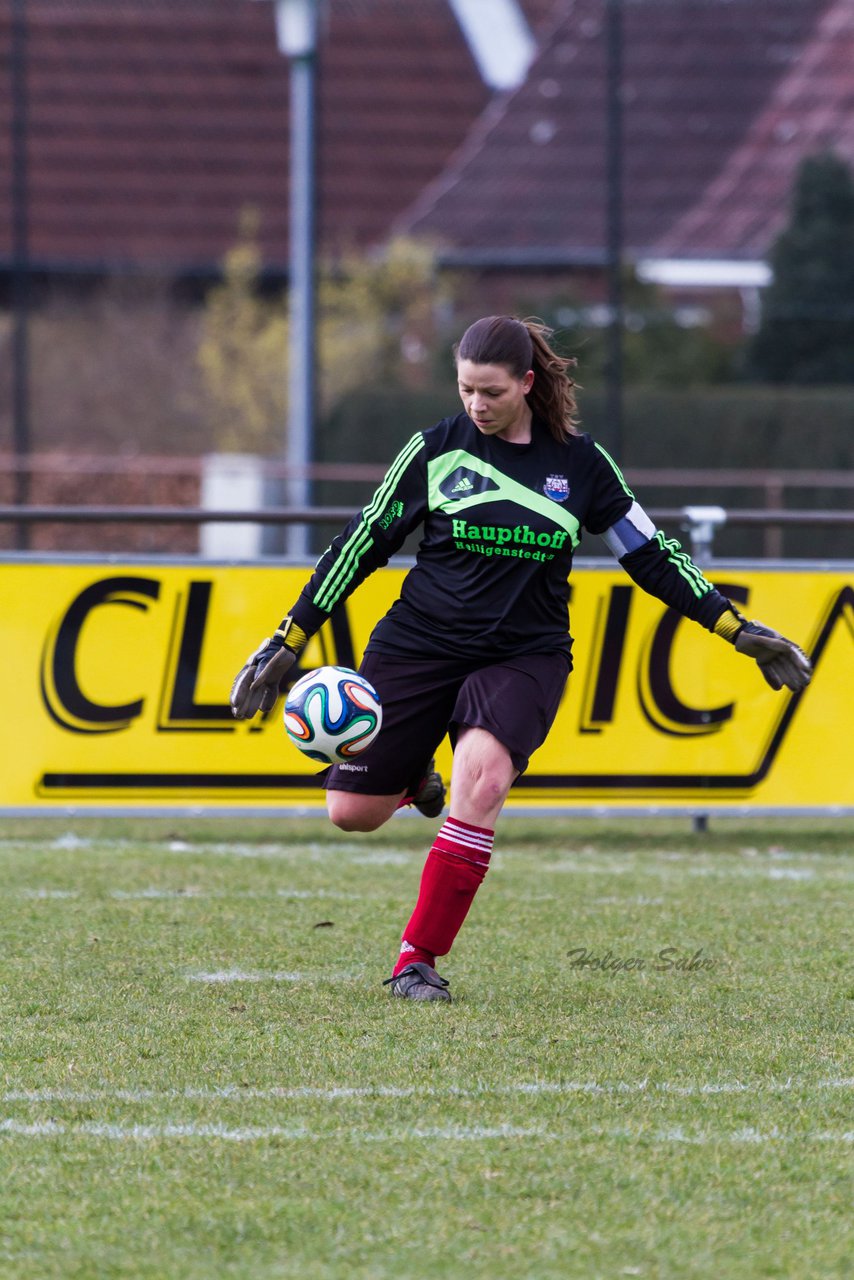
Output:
(631, 531)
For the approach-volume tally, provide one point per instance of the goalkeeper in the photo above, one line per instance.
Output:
(477, 645)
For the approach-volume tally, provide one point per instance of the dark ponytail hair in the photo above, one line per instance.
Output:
(521, 345)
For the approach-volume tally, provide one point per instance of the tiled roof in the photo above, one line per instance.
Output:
(539, 14)
(398, 91)
(153, 122)
(810, 110)
(529, 183)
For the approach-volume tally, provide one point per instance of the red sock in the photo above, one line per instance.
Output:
(452, 875)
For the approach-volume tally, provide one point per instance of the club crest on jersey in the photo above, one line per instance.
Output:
(556, 488)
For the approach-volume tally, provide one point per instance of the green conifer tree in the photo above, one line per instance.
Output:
(806, 334)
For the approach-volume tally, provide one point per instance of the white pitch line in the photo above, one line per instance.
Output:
(460, 1133)
(224, 895)
(262, 975)
(594, 869)
(639, 901)
(320, 893)
(38, 1130)
(46, 893)
(154, 894)
(71, 841)
(360, 853)
(791, 873)
(599, 859)
(670, 872)
(312, 851)
(142, 895)
(454, 1133)
(384, 858)
(240, 975)
(236, 1092)
(772, 873)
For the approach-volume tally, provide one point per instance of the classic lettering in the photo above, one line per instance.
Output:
(661, 704)
(65, 700)
(601, 695)
(183, 707)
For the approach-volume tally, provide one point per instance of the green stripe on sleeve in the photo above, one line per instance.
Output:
(617, 472)
(346, 567)
(684, 565)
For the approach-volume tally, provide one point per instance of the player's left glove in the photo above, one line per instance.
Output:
(259, 681)
(780, 660)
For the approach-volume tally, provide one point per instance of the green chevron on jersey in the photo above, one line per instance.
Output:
(502, 487)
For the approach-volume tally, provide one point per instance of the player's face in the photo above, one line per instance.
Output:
(495, 400)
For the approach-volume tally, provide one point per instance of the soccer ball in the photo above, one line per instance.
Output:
(332, 714)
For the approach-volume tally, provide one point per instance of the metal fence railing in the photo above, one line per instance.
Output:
(700, 523)
(771, 515)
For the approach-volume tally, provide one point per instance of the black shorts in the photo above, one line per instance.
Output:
(515, 700)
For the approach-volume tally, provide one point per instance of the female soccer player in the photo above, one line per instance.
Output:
(478, 644)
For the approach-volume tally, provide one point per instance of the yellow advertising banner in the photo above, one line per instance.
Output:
(116, 682)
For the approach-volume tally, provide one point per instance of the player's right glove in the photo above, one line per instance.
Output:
(259, 681)
(780, 660)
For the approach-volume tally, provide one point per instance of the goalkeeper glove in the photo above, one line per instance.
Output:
(259, 681)
(780, 660)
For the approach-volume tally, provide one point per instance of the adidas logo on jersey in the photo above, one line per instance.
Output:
(463, 483)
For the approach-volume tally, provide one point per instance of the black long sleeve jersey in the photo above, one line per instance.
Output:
(501, 522)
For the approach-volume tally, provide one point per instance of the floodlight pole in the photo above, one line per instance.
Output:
(614, 203)
(296, 30)
(20, 268)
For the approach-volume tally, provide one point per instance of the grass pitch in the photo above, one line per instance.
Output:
(646, 1069)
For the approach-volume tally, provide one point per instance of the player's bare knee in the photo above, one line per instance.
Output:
(350, 812)
(483, 774)
(488, 788)
(346, 818)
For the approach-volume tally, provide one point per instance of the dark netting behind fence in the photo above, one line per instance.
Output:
(666, 182)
